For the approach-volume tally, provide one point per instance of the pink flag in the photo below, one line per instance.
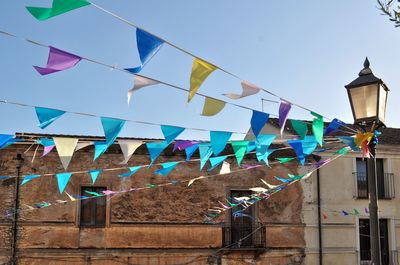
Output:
(47, 149)
(58, 60)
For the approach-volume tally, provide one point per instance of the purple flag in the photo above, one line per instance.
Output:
(58, 60)
(284, 109)
(183, 144)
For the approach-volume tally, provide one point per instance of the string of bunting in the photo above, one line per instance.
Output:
(149, 44)
(60, 60)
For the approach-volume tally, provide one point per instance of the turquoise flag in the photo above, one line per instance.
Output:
(99, 149)
(59, 7)
(62, 180)
(171, 132)
(263, 142)
(167, 167)
(219, 140)
(29, 178)
(309, 144)
(205, 153)
(190, 151)
(251, 147)
(47, 116)
(239, 148)
(132, 170)
(155, 149)
(216, 161)
(318, 128)
(264, 156)
(112, 127)
(94, 174)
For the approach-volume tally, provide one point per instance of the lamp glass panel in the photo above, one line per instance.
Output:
(382, 103)
(365, 101)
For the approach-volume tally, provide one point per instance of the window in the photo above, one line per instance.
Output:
(365, 246)
(93, 211)
(385, 181)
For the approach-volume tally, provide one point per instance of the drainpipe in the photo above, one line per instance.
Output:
(319, 217)
(14, 260)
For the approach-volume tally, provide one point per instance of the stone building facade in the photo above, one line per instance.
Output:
(162, 225)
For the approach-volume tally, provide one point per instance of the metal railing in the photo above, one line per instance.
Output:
(392, 259)
(386, 191)
(238, 236)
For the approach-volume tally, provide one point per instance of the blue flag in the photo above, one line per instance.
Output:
(99, 149)
(29, 178)
(155, 149)
(167, 167)
(94, 174)
(190, 151)
(216, 161)
(350, 142)
(62, 180)
(171, 132)
(47, 116)
(333, 126)
(112, 127)
(258, 120)
(219, 141)
(5, 139)
(132, 170)
(148, 45)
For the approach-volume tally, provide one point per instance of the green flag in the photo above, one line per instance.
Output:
(239, 147)
(300, 127)
(295, 177)
(318, 128)
(59, 7)
(342, 151)
(284, 160)
(356, 212)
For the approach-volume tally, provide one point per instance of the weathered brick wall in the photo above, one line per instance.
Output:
(140, 219)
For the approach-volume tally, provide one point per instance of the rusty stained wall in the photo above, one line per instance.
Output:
(160, 218)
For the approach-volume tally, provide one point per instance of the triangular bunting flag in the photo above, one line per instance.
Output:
(284, 160)
(239, 148)
(155, 149)
(132, 170)
(128, 147)
(148, 45)
(258, 120)
(283, 180)
(140, 82)
(263, 156)
(225, 169)
(251, 147)
(59, 7)
(58, 60)
(171, 132)
(99, 149)
(212, 106)
(183, 144)
(62, 180)
(318, 128)
(215, 161)
(284, 109)
(190, 151)
(350, 142)
(47, 150)
(205, 153)
(270, 187)
(195, 179)
(65, 148)
(81, 145)
(300, 127)
(248, 90)
(4, 139)
(167, 167)
(219, 140)
(298, 148)
(112, 127)
(47, 116)
(200, 71)
(29, 178)
(333, 126)
(94, 174)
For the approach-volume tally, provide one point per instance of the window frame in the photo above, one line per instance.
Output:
(79, 207)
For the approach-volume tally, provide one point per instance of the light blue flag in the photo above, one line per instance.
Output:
(4, 177)
(167, 167)
(264, 156)
(251, 147)
(216, 161)
(47, 116)
(5, 140)
(155, 149)
(62, 180)
(29, 178)
(112, 127)
(94, 174)
(205, 153)
(350, 142)
(171, 132)
(309, 144)
(99, 149)
(283, 180)
(45, 141)
(132, 170)
(219, 140)
(190, 151)
(258, 120)
(148, 45)
(263, 142)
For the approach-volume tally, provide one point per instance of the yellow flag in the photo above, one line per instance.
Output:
(212, 106)
(200, 71)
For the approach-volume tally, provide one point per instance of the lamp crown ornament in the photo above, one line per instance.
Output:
(366, 70)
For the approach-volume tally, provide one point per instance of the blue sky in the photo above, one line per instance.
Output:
(305, 51)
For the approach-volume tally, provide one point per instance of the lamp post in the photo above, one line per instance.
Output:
(368, 98)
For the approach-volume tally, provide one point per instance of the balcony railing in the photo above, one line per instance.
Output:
(385, 185)
(244, 236)
(393, 259)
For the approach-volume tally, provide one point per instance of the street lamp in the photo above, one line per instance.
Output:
(368, 98)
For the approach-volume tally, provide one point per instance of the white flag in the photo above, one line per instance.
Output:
(65, 148)
(248, 90)
(140, 82)
(128, 147)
